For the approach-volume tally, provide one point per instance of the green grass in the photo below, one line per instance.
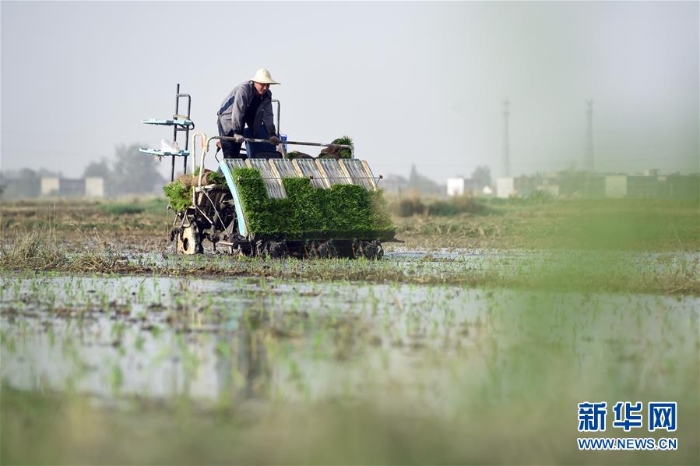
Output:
(123, 209)
(575, 245)
(593, 225)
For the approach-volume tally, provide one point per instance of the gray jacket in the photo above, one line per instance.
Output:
(234, 106)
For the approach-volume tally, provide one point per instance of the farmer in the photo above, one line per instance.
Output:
(247, 112)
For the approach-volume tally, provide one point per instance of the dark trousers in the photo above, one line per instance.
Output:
(232, 150)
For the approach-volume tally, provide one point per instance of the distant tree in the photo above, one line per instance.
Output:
(45, 172)
(25, 184)
(98, 169)
(482, 176)
(134, 172)
(413, 176)
(422, 183)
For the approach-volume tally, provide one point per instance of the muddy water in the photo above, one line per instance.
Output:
(241, 340)
(163, 336)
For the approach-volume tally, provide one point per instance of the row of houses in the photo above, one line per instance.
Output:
(647, 185)
(93, 187)
(28, 186)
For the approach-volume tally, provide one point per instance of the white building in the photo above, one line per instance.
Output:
(455, 186)
(461, 186)
(50, 186)
(95, 186)
(64, 187)
(616, 186)
(505, 187)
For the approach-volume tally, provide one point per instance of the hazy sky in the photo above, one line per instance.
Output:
(411, 82)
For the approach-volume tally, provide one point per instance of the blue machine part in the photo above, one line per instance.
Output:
(226, 170)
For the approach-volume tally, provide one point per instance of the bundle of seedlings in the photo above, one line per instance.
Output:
(333, 151)
(330, 152)
(179, 192)
(343, 211)
(295, 154)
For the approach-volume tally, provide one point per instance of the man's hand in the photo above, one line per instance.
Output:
(238, 138)
(275, 140)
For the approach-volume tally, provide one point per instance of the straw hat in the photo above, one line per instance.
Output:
(263, 77)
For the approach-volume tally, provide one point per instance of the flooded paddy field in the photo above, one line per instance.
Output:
(468, 364)
(116, 350)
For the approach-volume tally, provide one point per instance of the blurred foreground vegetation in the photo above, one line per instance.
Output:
(539, 222)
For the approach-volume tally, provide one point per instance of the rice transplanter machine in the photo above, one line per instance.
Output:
(277, 204)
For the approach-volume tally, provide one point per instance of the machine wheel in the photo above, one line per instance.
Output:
(375, 249)
(371, 250)
(274, 249)
(327, 250)
(188, 241)
(320, 249)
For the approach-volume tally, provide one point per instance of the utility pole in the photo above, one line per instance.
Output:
(588, 162)
(506, 151)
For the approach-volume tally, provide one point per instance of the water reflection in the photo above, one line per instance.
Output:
(264, 340)
(242, 356)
